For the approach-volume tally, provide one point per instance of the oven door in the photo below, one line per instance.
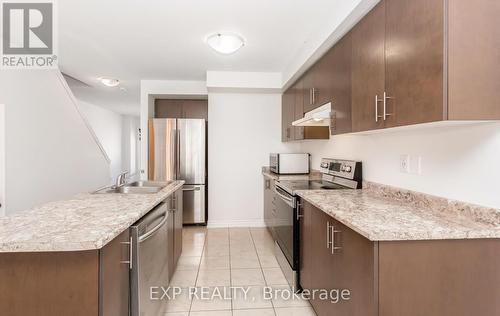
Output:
(284, 225)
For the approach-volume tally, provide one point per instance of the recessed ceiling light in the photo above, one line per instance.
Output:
(225, 43)
(109, 82)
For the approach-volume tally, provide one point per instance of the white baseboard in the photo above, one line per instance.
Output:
(236, 223)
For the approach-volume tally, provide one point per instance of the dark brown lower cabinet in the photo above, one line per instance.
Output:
(174, 230)
(337, 258)
(76, 283)
(114, 281)
(269, 197)
(394, 278)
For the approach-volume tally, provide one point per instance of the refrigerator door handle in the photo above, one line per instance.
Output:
(178, 154)
(191, 189)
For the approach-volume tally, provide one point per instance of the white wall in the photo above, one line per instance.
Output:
(107, 126)
(458, 162)
(131, 145)
(50, 152)
(2, 159)
(242, 130)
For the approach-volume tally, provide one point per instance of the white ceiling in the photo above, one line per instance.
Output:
(151, 39)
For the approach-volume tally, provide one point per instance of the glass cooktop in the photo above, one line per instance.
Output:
(292, 185)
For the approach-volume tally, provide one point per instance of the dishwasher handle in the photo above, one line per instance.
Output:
(151, 232)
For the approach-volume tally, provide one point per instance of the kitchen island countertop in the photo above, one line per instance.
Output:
(84, 222)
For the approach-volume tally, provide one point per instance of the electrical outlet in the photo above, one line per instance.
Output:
(404, 163)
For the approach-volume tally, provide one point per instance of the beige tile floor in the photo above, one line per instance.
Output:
(222, 257)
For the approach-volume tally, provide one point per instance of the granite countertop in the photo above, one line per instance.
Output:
(313, 175)
(383, 213)
(85, 222)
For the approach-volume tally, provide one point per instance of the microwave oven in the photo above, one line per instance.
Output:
(289, 163)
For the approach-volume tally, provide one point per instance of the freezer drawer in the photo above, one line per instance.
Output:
(193, 199)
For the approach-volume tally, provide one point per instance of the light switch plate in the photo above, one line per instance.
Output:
(416, 165)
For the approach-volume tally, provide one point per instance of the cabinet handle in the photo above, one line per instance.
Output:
(385, 106)
(299, 206)
(333, 122)
(377, 100)
(327, 235)
(129, 261)
(333, 232)
(174, 203)
(268, 184)
(313, 96)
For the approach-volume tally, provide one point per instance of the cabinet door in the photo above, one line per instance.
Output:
(114, 280)
(178, 219)
(195, 109)
(354, 268)
(267, 202)
(368, 70)
(306, 254)
(307, 86)
(287, 115)
(322, 75)
(298, 109)
(414, 52)
(168, 108)
(341, 86)
(322, 263)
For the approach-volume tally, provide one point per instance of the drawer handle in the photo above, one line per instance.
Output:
(333, 232)
(377, 100)
(328, 235)
(130, 250)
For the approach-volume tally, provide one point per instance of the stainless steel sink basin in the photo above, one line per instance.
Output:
(137, 187)
(144, 183)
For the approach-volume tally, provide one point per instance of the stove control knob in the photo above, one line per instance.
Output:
(347, 169)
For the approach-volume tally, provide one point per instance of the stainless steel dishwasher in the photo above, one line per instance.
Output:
(151, 236)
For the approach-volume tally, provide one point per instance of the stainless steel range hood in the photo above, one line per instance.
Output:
(318, 117)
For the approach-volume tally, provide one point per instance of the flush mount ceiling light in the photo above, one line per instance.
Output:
(109, 82)
(225, 43)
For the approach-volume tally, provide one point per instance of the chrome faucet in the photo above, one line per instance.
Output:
(121, 179)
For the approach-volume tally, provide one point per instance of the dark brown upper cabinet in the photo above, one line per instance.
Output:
(473, 54)
(181, 108)
(292, 108)
(368, 70)
(414, 67)
(195, 109)
(317, 83)
(340, 86)
(299, 109)
(424, 61)
(322, 76)
(287, 115)
(307, 90)
(408, 62)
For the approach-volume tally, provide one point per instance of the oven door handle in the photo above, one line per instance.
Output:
(287, 199)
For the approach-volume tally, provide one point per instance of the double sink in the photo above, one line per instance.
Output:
(137, 187)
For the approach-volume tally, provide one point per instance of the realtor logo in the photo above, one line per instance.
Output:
(28, 34)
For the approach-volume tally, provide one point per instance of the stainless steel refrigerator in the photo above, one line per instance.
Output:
(177, 151)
